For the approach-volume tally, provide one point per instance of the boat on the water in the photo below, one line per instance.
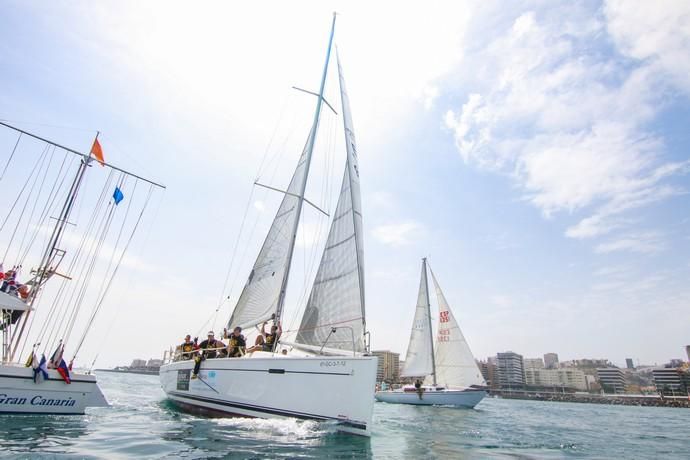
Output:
(325, 372)
(36, 376)
(447, 376)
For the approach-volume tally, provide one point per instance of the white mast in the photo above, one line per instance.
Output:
(431, 332)
(310, 150)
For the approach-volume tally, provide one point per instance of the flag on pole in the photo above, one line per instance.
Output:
(97, 152)
(41, 368)
(57, 356)
(64, 371)
(118, 195)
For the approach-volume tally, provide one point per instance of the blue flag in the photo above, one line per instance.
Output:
(117, 195)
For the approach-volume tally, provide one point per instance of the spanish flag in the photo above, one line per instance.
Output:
(97, 152)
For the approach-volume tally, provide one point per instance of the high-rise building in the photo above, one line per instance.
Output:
(388, 366)
(551, 360)
(629, 363)
(687, 351)
(611, 379)
(533, 363)
(511, 370)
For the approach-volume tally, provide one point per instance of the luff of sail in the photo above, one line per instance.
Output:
(259, 299)
(418, 361)
(337, 296)
(455, 364)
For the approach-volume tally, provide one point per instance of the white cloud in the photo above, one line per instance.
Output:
(566, 117)
(646, 242)
(400, 234)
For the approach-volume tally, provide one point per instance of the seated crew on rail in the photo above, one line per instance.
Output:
(271, 339)
(258, 344)
(236, 343)
(187, 348)
(210, 344)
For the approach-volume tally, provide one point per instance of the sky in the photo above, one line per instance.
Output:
(537, 152)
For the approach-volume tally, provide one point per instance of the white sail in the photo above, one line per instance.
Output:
(259, 299)
(455, 364)
(337, 296)
(418, 362)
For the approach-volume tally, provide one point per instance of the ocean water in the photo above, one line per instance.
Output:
(142, 424)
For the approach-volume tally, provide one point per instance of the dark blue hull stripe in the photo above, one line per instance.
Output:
(262, 370)
(267, 410)
(12, 412)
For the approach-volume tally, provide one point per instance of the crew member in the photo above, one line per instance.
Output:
(237, 343)
(187, 347)
(209, 346)
(271, 339)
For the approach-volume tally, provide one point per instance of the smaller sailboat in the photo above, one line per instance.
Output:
(450, 375)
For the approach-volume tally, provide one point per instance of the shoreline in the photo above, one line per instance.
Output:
(616, 400)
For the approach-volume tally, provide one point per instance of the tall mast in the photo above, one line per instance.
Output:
(310, 150)
(431, 332)
(49, 256)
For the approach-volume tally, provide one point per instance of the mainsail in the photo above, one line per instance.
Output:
(334, 315)
(259, 299)
(419, 359)
(455, 364)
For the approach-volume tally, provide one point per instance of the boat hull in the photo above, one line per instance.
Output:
(460, 398)
(20, 395)
(267, 386)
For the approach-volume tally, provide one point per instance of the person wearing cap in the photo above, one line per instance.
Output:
(237, 343)
(209, 344)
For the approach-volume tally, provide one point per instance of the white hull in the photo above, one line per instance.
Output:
(264, 385)
(20, 395)
(461, 398)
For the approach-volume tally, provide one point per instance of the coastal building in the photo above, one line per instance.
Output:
(511, 370)
(612, 379)
(388, 366)
(154, 362)
(671, 381)
(138, 363)
(489, 371)
(629, 363)
(534, 363)
(551, 360)
(563, 378)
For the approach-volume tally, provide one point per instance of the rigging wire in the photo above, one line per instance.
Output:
(112, 277)
(50, 205)
(2, 176)
(21, 192)
(35, 203)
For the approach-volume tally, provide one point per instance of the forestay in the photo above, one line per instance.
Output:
(337, 296)
(259, 299)
(455, 364)
(418, 362)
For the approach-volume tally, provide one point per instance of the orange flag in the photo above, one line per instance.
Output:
(97, 152)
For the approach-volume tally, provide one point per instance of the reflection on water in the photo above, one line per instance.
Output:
(142, 424)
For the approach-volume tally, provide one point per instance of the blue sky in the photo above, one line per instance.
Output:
(536, 152)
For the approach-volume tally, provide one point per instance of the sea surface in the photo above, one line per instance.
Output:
(142, 424)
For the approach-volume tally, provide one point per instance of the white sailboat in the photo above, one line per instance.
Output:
(48, 385)
(451, 376)
(326, 374)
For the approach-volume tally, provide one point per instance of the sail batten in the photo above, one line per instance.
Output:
(336, 300)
